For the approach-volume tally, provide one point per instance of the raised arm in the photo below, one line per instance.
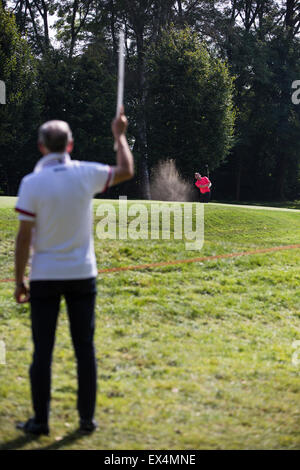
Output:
(124, 170)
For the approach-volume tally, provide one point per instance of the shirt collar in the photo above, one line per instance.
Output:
(52, 159)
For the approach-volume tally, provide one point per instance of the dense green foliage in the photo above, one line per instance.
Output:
(194, 356)
(230, 59)
(81, 91)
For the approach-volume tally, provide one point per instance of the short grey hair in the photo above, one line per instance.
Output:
(55, 135)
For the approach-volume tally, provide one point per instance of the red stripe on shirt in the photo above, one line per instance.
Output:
(108, 179)
(30, 214)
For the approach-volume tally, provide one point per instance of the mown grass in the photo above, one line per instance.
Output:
(189, 356)
(277, 204)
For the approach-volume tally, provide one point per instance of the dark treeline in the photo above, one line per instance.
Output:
(208, 83)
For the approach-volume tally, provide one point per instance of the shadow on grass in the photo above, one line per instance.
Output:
(68, 439)
(18, 442)
(23, 440)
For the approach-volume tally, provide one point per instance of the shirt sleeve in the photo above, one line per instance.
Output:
(99, 177)
(25, 203)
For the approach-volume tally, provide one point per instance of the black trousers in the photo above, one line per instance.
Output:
(80, 298)
(205, 197)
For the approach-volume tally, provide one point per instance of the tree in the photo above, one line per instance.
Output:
(72, 22)
(32, 18)
(144, 20)
(189, 105)
(258, 40)
(81, 91)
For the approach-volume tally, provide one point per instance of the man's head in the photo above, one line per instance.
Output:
(55, 137)
(197, 176)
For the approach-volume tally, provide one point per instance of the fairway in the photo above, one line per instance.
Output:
(191, 356)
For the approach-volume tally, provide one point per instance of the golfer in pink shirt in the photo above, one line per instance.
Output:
(204, 184)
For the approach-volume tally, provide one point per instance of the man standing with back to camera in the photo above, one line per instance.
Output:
(55, 213)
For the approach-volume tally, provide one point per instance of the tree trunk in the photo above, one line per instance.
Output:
(112, 27)
(281, 178)
(141, 118)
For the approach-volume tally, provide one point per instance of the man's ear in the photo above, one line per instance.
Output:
(70, 146)
(42, 148)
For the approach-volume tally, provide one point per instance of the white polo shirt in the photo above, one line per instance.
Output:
(57, 196)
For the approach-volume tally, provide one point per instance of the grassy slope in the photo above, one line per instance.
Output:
(285, 204)
(189, 356)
